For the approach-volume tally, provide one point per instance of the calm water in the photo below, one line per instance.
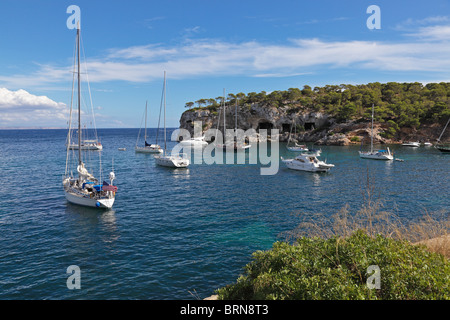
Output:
(175, 231)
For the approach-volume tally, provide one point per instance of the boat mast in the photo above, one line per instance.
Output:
(224, 125)
(439, 139)
(164, 113)
(235, 121)
(371, 136)
(79, 96)
(145, 131)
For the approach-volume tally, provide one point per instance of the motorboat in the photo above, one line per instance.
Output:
(196, 141)
(305, 162)
(298, 148)
(411, 144)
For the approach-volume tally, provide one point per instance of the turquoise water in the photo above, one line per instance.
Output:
(176, 231)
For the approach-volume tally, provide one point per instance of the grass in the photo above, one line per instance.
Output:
(432, 230)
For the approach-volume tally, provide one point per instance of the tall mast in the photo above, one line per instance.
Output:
(371, 136)
(164, 113)
(145, 131)
(442, 133)
(79, 96)
(235, 113)
(224, 124)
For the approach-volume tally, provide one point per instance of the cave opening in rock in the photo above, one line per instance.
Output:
(285, 127)
(265, 125)
(310, 126)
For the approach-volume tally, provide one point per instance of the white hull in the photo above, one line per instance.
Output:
(193, 142)
(88, 202)
(148, 149)
(87, 147)
(297, 149)
(172, 161)
(375, 155)
(411, 144)
(307, 163)
(233, 147)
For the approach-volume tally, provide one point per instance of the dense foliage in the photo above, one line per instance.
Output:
(397, 104)
(336, 268)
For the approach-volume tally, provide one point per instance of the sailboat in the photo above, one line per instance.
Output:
(147, 148)
(238, 146)
(85, 190)
(297, 147)
(230, 145)
(165, 160)
(440, 146)
(376, 154)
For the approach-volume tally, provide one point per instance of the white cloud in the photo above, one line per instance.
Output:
(21, 108)
(434, 32)
(425, 50)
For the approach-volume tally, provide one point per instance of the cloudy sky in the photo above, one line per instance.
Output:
(206, 46)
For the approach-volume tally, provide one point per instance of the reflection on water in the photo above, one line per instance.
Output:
(86, 221)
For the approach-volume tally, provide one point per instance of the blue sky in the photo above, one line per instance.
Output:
(206, 46)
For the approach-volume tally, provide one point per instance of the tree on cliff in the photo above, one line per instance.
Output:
(396, 104)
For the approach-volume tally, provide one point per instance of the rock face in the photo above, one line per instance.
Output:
(311, 126)
(257, 116)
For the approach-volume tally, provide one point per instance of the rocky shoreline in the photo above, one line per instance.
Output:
(316, 127)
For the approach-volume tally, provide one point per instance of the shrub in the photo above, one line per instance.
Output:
(335, 268)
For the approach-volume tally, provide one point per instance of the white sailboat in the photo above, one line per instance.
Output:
(87, 145)
(147, 148)
(85, 189)
(296, 147)
(445, 148)
(231, 145)
(376, 154)
(165, 160)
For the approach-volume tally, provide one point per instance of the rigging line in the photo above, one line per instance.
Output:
(140, 127)
(69, 133)
(89, 88)
(439, 139)
(159, 119)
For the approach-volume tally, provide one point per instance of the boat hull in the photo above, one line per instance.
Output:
(443, 149)
(411, 144)
(172, 161)
(297, 149)
(193, 143)
(86, 147)
(148, 150)
(375, 156)
(89, 202)
(300, 166)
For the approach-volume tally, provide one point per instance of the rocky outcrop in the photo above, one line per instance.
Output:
(260, 116)
(311, 126)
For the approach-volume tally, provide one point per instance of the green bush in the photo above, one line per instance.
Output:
(336, 268)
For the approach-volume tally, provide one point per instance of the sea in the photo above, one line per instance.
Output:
(179, 234)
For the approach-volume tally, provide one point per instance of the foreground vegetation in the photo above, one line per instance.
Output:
(336, 268)
(328, 258)
(396, 104)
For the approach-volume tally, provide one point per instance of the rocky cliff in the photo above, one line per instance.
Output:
(310, 126)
